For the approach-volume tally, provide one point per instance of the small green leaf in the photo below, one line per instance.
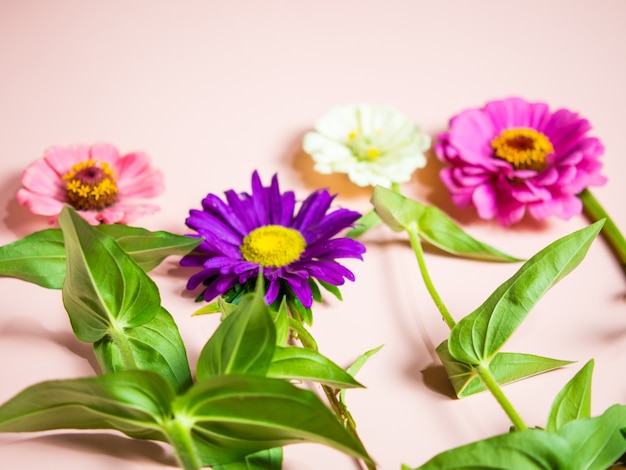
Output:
(315, 290)
(236, 415)
(293, 362)
(133, 402)
(396, 211)
(356, 366)
(155, 346)
(281, 323)
(103, 288)
(38, 258)
(505, 367)
(365, 223)
(243, 343)
(299, 311)
(147, 248)
(478, 337)
(331, 288)
(573, 401)
(270, 459)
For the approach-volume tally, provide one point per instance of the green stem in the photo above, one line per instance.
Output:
(184, 450)
(492, 385)
(123, 345)
(594, 211)
(332, 394)
(419, 254)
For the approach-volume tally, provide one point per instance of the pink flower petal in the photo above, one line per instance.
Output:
(62, 159)
(104, 153)
(40, 178)
(484, 198)
(39, 204)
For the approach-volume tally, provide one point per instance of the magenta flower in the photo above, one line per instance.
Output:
(261, 230)
(96, 181)
(512, 156)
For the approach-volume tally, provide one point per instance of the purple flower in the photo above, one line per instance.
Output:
(250, 231)
(512, 156)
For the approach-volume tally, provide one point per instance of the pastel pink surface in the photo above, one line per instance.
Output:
(214, 90)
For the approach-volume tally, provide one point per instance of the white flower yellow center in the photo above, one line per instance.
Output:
(90, 185)
(273, 246)
(362, 146)
(525, 149)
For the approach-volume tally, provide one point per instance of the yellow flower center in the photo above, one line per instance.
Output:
(273, 246)
(525, 149)
(90, 185)
(362, 146)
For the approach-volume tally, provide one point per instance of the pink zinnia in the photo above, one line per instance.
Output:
(511, 156)
(96, 181)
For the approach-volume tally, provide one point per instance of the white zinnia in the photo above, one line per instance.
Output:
(373, 145)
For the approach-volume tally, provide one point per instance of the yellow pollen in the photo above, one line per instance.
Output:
(362, 146)
(273, 246)
(525, 149)
(90, 185)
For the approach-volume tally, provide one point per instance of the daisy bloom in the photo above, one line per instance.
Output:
(247, 232)
(96, 181)
(373, 145)
(512, 156)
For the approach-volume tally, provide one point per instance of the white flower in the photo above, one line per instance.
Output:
(373, 145)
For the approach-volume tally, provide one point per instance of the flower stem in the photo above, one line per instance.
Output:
(492, 385)
(332, 395)
(184, 450)
(419, 254)
(594, 211)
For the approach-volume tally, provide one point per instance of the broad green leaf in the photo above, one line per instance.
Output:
(243, 343)
(365, 223)
(103, 288)
(38, 258)
(478, 337)
(270, 459)
(531, 449)
(147, 248)
(155, 346)
(356, 366)
(403, 214)
(133, 402)
(573, 401)
(596, 442)
(505, 367)
(293, 362)
(236, 415)
(439, 230)
(396, 211)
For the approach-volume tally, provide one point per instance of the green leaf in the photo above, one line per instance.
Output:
(133, 402)
(531, 449)
(299, 311)
(596, 442)
(243, 343)
(573, 401)
(281, 323)
(396, 211)
(270, 459)
(147, 248)
(365, 223)
(103, 288)
(293, 362)
(439, 230)
(38, 258)
(478, 337)
(404, 214)
(236, 415)
(331, 288)
(505, 367)
(356, 366)
(155, 346)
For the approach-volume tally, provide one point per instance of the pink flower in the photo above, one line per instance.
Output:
(96, 181)
(512, 156)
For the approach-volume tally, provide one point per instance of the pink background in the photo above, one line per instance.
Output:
(213, 90)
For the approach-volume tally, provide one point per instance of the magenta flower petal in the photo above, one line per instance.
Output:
(512, 156)
(102, 186)
(263, 230)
